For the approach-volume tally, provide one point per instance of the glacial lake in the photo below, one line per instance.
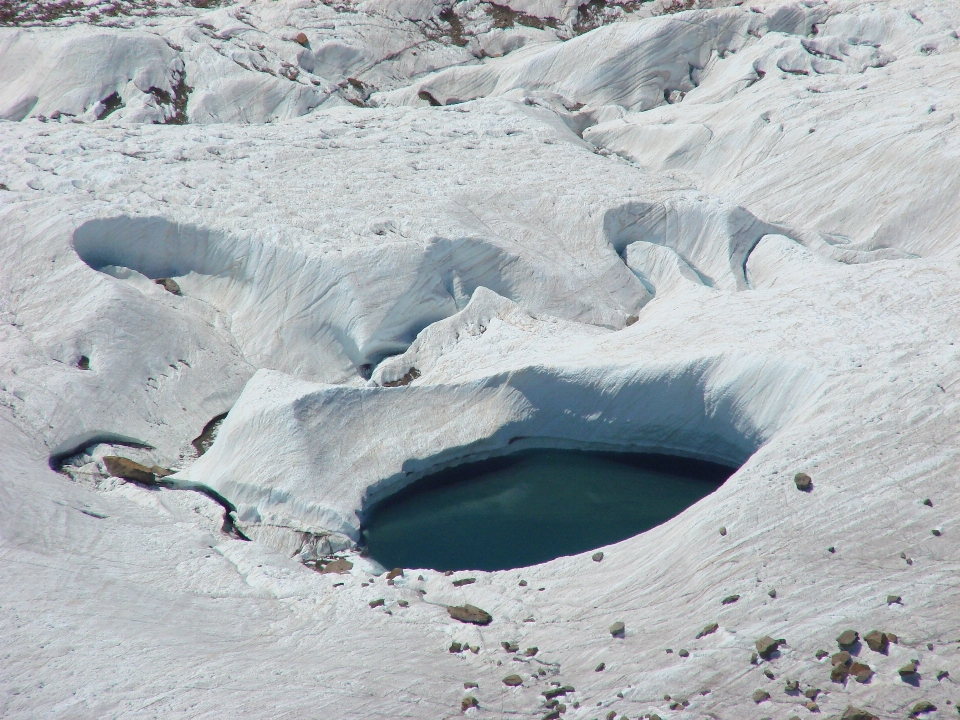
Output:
(532, 506)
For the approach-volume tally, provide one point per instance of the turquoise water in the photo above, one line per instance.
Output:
(532, 506)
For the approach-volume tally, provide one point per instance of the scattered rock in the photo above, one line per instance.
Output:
(876, 641)
(723, 531)
(455, 647)
(861, 672)
(684, 653)
(83, 363)
(393, 574)
(601, 667)
(122, 467)
(557, 692)
(894, 600)
(847, 639)
(772, 592)
(464, 581)
(831, 549)
(469, 614)
(708, 630)
(403, 603)
(909, 669)
(301, 38)
(792, 686)
(767, 646)
(597, 556)
(942, 674)
(841, 658)
(754, 658)
(612, 715)
(928, 502)
(922, 707)
(168, 284)
(469, 701)
(510, 647)
(760, 696)
(892, 638)
(523, 583)
(769, 673)
(936, 533)
(729, 599)
(531, 651)
(803, 482)
(854, 713)
(812, 706)
(839, 673)
(377, 603)
(340, 566)
(513, 680)
(811, 693)
(821, 654)
(618, 630)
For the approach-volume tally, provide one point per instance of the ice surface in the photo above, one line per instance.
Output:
(429, 233)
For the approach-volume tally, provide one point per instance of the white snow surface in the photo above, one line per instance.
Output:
(429, 233)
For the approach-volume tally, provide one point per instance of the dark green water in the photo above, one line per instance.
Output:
(532, 506)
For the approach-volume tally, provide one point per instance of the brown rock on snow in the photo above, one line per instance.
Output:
(127, 469)
(803, 482)
(469, 614)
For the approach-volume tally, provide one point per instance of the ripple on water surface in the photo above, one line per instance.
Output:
(532, 506)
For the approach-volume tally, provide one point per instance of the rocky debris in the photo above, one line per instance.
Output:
(843, 657)
(469, 614)
(411, 375)
(821, 654)
(760, 696)
(169, 284)
(464, 581)
(301, 38)
(832, 550)
(723, 531)
(340, 566)
(812, 706)
(684, 653)
(876, 641)
(510, 647)
(941, 674)
(600, 668)
(909, 669)
(708, 630)
(894, 600)
(861, 672)
(855, 713)
(455, 647)
(729, 599)
(83, 363)
(803, 482)
(811, 693)
(469, 702)
(522, 583)
(531, 651)
(468, 685)
(597, 556)
(903, 556)
(618, 630)
(377, 603)
(126, 469)
(924, 706)
(767, 646)
(847, 639)
(936, 533)
(754, 659)
(513, 680)
(772, 592)
(769, 673)
(791, 686)
(557, 692)
(393, 575)
(928, 502)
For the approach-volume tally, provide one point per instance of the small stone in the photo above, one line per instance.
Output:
(929, 646)
(464, 581)
(812, 706)
(909, 561)
(83, 363)
(510, 647)
(612, 715)
(513, 680)
(811, 693)
(456, 647)
(468, 702)
(769, 673)
(601, 667)
(876, 641)
(928, 502)
(766, 646)
(847, 639)
(821, 654)
(729, 599)
(754, 658)
(338, 566)
(831, 549)
(791, 686)
(168, 284)
(854, 713)
(597, 556)
(301, 38)
(377, 603)
(803, 482)
(531, 651)
(469, 614)
(839, 673)
(473, 648)
(669, 651)
(841, 658)
(618, 630)
(772, 592)
(557, 692)
(403, 603)
(620, 695)
(723, 531)
(894, 600)
(127, 469)
(448, 573)
(942, 674)
(655, 717)
(523, 583)
(684, 653)
(468, 685)
(936, 533)
(861, 672)
(708, 630)
(922, 707)
(892, 638)
(760, 696)
(909, 669)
